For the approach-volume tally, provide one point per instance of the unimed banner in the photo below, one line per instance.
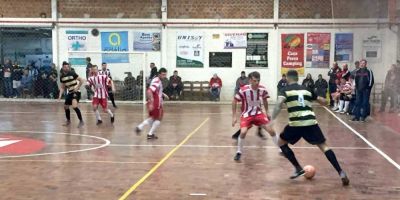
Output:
(318, 50)
(292, 53)
(189, 49)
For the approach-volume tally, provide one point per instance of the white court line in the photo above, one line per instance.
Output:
(366, 141)
(76, 161)
(205, 146)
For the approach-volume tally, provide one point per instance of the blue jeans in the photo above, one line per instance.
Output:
(362, 104)
(215, 93)
(8, 90)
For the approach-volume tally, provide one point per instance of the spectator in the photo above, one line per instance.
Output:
(345, 96)
(309, 82)
(390, 89)
(139, 84)
(364, 82)
(153, 73)
(321, 86)
(33, 73)
(345, 72)
(26, 82)
(129, 86)
(1, 80)
(7, 72)
(357, 67)
(336, 95)
(139, 79)
(43, 84)
(16, 76)
(241, 81)
(282, 83)
(53, 86)
(88, 69)
(332, 80)
(353, 95)
(175, 86)
(215, 87)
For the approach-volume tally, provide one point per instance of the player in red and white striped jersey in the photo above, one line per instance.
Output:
(99, 85)
(105, 71)
(251, 97)
(154, 104)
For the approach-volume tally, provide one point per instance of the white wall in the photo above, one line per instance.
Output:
(269, 76)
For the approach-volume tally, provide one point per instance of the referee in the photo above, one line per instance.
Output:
(302, 124)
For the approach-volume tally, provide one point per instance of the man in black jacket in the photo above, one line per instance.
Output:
(364, 82)
(321, 86)
(332, 80)
(88, 68)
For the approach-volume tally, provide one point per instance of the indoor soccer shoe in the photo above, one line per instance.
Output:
(297, 173)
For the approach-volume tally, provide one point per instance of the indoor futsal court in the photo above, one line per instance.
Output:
(192, 159)
(199, 100)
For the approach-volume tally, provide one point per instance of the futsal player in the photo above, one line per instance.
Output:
(154, 105)
(99, 84)
(302, 124)
(105, 71)
(251, 96)
(71, 82)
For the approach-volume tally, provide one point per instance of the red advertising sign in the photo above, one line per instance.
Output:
(292, 53)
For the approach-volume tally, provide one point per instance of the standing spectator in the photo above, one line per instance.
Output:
(332, 80)
(53, 82)
(1, 80)
(16, 76)
(241, 81)
(389, 90)
(129, 86)
(364, 82)
(321, 86)
(353, 95)
(43, 83)
(215, 87)
(7, 71)
(309, 82)
(33, 73)
(282, 83)
(357, 67)
(107, 72)
(88, 69)
(345, 72)
(153, 73)
(175, 86)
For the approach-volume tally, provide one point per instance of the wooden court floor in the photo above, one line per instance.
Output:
(192, 159)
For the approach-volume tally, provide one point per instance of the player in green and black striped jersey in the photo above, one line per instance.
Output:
(71, 82)
(302, 124)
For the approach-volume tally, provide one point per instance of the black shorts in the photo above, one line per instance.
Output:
(312, 134)
(71, 96)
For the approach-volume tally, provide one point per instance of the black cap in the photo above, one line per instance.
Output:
(65, 63)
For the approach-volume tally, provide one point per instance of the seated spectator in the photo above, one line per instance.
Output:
(321, 86)
(345, 96)
(241, 81)
(26, 82)
(336, 95)
(282, 83)
(215, 87)
(175, 86)
(308, 82)
(129, 86)
(345, 73)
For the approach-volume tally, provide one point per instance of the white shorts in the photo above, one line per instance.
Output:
(16, 84)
